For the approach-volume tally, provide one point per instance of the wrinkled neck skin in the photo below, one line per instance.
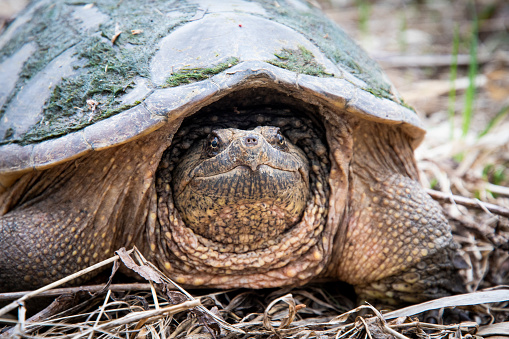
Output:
(215, 235)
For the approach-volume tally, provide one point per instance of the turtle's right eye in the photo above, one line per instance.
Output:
(280, 139)
(213, 145)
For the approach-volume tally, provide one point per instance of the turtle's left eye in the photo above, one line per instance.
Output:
(279, 141)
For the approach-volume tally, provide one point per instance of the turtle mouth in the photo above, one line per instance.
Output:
(241, 182)
(253, 170)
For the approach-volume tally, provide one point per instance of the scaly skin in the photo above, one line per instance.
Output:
(242, 187)
(397, 244)
(366, 220)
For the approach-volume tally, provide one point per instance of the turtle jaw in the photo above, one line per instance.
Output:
(242, 206)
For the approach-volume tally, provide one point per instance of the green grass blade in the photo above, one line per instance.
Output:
(402, 32)
(472, 73)
(496, 119)
(453, 76)
(364, 9)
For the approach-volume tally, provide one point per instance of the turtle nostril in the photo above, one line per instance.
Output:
(251, 141)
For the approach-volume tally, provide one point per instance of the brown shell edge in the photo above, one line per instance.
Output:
(169, 104)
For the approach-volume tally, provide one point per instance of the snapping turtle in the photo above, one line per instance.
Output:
(235, 143)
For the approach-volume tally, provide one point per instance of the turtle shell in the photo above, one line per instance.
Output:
(76, 79)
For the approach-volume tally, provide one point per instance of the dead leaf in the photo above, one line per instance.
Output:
(500, 329)
(285, 322)
(92, 104)
(146, 272)
(475, 298)
(498, 84)
(117, 33)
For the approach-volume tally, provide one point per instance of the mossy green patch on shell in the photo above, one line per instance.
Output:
(189, 75)
(334, 43)
(104, 71)
(300, 61)
(110, 72)
(53, 32)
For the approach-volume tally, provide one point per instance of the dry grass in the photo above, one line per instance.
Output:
(161, 309)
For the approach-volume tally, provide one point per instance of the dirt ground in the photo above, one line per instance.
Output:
(449, 60)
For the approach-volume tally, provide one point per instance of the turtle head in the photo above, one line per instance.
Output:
(240, 186)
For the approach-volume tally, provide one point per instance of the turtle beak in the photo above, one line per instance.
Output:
(253, 165)
(252, 146)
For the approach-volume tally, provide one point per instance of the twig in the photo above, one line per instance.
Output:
(469, 324)
(137, 316)
(101, 312)
(497, 189)
(366, 327)
(473, 203)
(380, 317)
(29, 295)
(70, 290)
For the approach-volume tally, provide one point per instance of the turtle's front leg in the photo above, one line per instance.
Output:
(73, 215)
(433, 277)
(39, 247)
(56, 223)
(408, 254)
(394, 244)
